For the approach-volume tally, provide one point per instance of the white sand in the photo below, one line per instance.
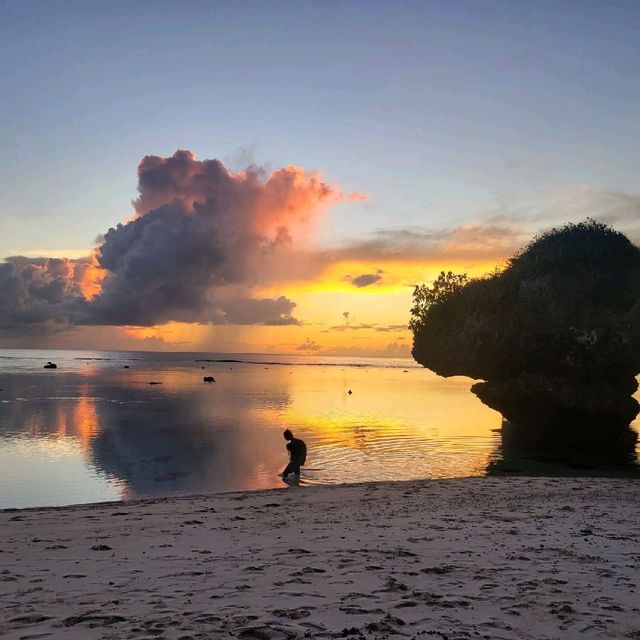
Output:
(471, 558)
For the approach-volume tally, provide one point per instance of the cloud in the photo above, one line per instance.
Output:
(193, 252)
(392, 327)
(391, 350)
(476, 241)
(205, 243)
(361, 326)
(486, 240)
(366, 279)
(575, 203)
(395, 350)
(264, 311)
(41, 295)
(309, 345)
(468, 245)
(351, 327)
(492, 237)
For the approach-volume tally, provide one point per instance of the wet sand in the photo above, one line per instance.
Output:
(470, 558)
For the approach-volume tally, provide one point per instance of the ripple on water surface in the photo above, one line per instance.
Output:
(92, 430)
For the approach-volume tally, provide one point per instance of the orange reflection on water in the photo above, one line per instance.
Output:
(76, 417)
(395, 423)
(85, 419)
(73, 418)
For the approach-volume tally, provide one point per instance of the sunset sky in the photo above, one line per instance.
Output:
(276, 177)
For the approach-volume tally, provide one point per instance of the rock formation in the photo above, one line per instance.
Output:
(555, 335)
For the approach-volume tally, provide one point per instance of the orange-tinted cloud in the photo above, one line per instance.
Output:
(194, 252)
(278, 203)
(208, 246)
(90, 276)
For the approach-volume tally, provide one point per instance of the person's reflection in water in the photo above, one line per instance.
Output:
(297, 455)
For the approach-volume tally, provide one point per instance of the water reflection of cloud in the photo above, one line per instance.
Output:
(196, 440)
(178, 437)
(187, 436)
(69, 416)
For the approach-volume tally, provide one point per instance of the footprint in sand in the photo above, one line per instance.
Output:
(293, 614)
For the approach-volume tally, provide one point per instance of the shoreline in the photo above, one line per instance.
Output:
(222, 494)
(141, 501)
(454, 558)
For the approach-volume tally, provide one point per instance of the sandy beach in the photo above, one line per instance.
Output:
(468, 558)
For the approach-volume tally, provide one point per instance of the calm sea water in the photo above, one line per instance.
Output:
(93, 430)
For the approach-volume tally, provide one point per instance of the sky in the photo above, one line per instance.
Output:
(284, 173)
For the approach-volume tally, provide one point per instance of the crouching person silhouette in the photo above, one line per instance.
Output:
(297, 454)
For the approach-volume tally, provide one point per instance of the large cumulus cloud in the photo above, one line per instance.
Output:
(194, 251)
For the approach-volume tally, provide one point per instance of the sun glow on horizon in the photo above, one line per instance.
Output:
(335, 316)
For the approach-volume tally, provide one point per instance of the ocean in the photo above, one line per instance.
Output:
(95, 428)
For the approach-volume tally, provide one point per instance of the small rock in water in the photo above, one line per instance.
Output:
(154, 382)
(126, 366)
(208, 379)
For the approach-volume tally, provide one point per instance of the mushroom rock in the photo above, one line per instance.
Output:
(554, 337)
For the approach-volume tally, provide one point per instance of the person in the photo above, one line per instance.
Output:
(297, 454)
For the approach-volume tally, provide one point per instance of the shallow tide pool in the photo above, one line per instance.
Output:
(92, 430)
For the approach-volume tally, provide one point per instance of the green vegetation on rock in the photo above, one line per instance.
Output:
(554, 334)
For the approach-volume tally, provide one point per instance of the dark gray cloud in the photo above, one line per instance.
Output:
(193, 252)
(365, 280)
(160, 267)
(40, 295)
(266, 311)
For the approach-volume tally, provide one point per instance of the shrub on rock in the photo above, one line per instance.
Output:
(554, 334)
